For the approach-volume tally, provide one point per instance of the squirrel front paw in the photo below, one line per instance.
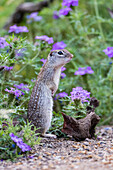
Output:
(53, 92)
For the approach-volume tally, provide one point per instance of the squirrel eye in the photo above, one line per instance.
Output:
(51, 54)
(60, 53)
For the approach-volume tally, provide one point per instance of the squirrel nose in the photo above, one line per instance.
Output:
(71, 56)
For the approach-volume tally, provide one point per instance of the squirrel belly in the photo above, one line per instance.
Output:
(40, 107)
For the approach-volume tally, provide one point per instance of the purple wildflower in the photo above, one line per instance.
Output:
(45, 38)
(31, 156)
(63, 69)
(33, 80)
(23, 146)
(43, 60)
(59, 45)
(109, 51)
(38, 18)
(13, 145)
(83, 71)
(19, 153)
(18, 29)
(3, 42)
(63, 75)
(8, 68)
(15, 138)
(56, 15)
(69, 3)
(14, 91)
(64, 11)
(34, 16)
(20, 52)
(80, 94)
(22, 87)
(60, 95)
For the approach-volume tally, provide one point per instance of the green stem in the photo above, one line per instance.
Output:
(32, 32)
(97, 16)
(85, 80)
(24, 102)
(21, 69)
(11, 55)
(27, 63)
(14, 99)
(110, 101)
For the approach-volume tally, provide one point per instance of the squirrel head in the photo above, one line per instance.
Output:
(58, 58)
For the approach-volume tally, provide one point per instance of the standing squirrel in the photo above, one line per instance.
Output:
(41, 102)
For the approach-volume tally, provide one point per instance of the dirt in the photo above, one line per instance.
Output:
(66, 154)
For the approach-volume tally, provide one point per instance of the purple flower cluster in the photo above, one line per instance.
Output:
(83, 71)
(33, 16)
(8, 68)
(59, 45)
(17, 29)
(14, 91)
(60, 95)
(56, 15)
(63, 75)
(64, 11)
(22, 87)
(63, 69)
(69, 3)
(109, 51)
(45, 38)
(43, 60)
(79, 93)
(3, 42)
(20, 52)
(23, 146)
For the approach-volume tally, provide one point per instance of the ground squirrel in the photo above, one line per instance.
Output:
(41, 102)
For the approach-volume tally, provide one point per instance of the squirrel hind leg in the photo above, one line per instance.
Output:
(48, 135)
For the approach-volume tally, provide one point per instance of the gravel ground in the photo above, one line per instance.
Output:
(66, 154)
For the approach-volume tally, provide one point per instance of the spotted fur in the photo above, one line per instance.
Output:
(41, 102)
